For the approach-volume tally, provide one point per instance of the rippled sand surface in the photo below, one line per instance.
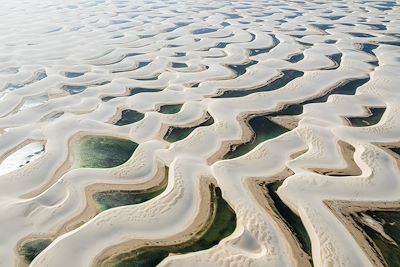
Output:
(199, 133)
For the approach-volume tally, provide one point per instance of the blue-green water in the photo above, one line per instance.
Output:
(376, 116)
(223, 225)
(288, 76)
(264, 129)
(296, 58)
(133, 91)
(73, 74)
(74, 89)
(348, 87)
(115, 198)
(291, 219)
(104, 152)
(129, 116)
(178, 133)
(170, 109)
(241, 69)
(258, 51)
(390, 220)
(31, 249)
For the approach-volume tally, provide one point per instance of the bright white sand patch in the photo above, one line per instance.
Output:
(21, 157)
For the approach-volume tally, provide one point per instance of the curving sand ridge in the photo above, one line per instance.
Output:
(322, 75)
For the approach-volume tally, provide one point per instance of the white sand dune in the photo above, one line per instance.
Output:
(69, 69)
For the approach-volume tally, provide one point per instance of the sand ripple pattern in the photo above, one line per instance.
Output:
(69, 68)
